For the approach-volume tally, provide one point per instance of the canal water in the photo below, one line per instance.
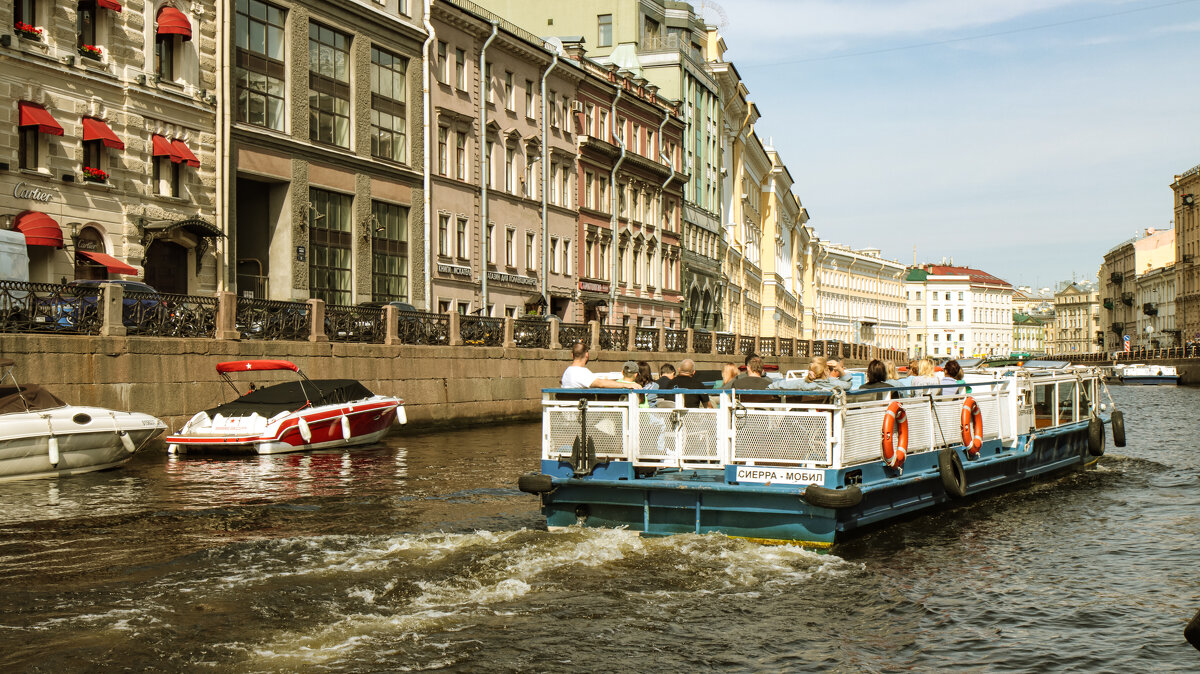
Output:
(420, 555)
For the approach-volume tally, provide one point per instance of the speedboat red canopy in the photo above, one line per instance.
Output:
(256, 365)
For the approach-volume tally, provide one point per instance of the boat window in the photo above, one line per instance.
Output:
(1043, 405)
(1066, 402)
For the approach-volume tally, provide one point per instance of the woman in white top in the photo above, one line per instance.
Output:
(926, 376)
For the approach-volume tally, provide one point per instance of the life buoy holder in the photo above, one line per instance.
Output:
(895, 421)
(972, 426)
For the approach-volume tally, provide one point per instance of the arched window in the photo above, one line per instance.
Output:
(91, 240)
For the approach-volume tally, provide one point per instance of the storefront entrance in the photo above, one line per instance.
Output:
(166, 266)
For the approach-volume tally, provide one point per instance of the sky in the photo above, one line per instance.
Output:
(1022, 137)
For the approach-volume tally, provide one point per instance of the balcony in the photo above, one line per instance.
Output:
(1108, 303)
(1149, 309)
(1118, 328)
(1127, 299)
(1116, 277)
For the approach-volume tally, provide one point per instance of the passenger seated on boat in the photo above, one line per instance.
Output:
(645, 379)
(953, 375)
(926, 376)
(686, 379)
(755, 379)
(729, 374)
(577, 375)
(876, 379)
(819, 378)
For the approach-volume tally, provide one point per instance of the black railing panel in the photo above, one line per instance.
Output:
(49, 307)
(614, 338)
(419, 327)
(481, 330)
(675, 341)
(787, 347)
(646, 339)
(349, 323)
(570, 333)
(168, 315)
(726, 343)
(272, 319)
(702, 342)
(531, 334)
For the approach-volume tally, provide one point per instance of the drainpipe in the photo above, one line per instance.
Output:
(545, 185)
(227, 277)
(662, 199)
(427, 121)
(484, 90)
(612, 288)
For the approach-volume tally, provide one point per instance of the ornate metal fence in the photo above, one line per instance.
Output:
(646, 339)
(746, 345)
(787, 347)
(167, 315)
(419, 327)
(702, 342)
(569, 333)
(725, 343)
(49, 307)
(270, 319)
(481, 330)
(801, 348)
(349, 323)
(531, 334)
(675, 341)
(613, 338)
(766, 347)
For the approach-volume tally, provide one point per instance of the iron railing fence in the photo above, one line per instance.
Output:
(675, 341)
(570, 333)
(351, 323)
(49, 307)
(272, 320)
(481, 330)
(531, 333)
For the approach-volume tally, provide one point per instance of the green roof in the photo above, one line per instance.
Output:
(916, 274)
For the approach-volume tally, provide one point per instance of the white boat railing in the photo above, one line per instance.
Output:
(759, 428)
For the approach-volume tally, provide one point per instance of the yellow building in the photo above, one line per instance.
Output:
(785, 239)
(1187, 238)
(859, 296)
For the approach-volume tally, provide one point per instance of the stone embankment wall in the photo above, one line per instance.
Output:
(441, 385)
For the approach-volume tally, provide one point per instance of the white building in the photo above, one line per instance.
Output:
(859, 296)
(957, 312)
(1156, 309)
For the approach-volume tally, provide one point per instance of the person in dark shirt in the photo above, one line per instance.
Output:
(876, 379)
(755, 376)
(686, 379)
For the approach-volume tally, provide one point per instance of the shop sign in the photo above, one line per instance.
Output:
(510, 278)
(593, 287)
(26, 191)
(454, 269)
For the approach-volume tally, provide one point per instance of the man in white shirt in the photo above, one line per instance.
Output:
(579, 376)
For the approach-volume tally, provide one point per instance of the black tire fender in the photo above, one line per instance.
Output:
(535, 483)
(1118, 425)
(824, 497)
(1095, 442)
(954, 477)
(1192, 631)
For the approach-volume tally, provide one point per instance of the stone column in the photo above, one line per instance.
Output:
(712, 343)
(391, 322)
(595, 342)
(554, 343)
(227, 316)
(631, 337)
(316, 314)
(112, 310)
(662, 338)
(455, 338)
(510, 341)
(691, 339)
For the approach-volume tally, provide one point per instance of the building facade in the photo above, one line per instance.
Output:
(1076, 320)
(1186, 193)
(785, 238)
(1156, 312)
(1029, 334)
(109, 127)
(1118, 278)
(958, 311)
(858, 295)
(323, 150)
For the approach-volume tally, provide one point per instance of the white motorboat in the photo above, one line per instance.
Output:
(1146, 374)
(42, 436)
(289, 417)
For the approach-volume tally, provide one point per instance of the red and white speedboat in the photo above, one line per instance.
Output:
(290, 417)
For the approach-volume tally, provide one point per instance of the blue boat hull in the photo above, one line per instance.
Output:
(704, 501)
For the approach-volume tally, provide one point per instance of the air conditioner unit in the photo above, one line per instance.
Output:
(577, 106)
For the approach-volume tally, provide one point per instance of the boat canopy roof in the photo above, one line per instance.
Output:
(27, 398)
(291, 396)
(256, 365)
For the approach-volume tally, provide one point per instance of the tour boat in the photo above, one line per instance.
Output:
(42, 436)
(1146, 374)
(810, 467)
(291, 416)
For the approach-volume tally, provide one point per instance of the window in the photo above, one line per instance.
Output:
(510, 94)
(329, 86)
(442, 64)
(164, 56)
(460, 238)
(444, 306)
(589, 119)
(553, 255)
(566, 187)
(960, 296)
(329, 237)
(25, 11)
(85, 23)
(589, 189)
(552, 109)
(389, 252)
(509, 170)
(530, 166)
(622, 273)
(260, 70)
(388, 120)
(960, 315)
(460, 155)
(444, 235)
(637, 267)
(566, 258)
(604, 126)
(166, 176)
(510, 252)
(488, 89)
(529, 99)
(487, 167)
(443, 159)
(29, 139)
(464, 307)
(935, 314)
(491, 244)
(604, 22)
(460, 69)
(589, 264)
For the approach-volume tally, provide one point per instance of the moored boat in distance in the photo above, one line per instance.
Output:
(42, 436)
(1146, 374)
(810, 467)
(291, 416)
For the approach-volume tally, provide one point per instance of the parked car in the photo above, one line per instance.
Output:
(78, 307)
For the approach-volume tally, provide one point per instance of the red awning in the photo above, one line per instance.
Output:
(256, 365)
(96, 129)
(33, 114)
(39, 229)
(171, 21)
(111, 263)
(185, 155)
(163, 148)
(110, 4)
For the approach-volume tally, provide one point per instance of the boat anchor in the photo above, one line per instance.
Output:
(583, 450)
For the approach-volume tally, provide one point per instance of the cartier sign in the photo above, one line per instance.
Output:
(27, 191)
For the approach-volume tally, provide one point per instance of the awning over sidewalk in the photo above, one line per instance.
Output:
(39, 229)
(109, 262)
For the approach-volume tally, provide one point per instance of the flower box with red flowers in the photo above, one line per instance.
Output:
(27, 31)
(91, 51)
(94, 175)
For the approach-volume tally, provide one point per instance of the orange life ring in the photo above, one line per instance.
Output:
(972, 426)
(895, 421)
